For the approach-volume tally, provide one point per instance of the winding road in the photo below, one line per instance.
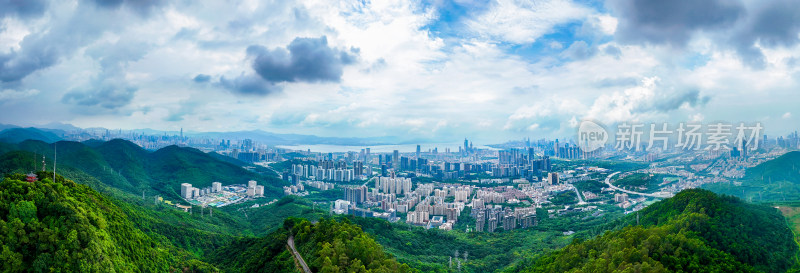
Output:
(297, 256)
(580, 199)
(660, 194)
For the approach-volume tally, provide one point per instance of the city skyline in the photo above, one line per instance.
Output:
(439, 71)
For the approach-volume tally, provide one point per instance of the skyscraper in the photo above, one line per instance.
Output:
(418, 150)
(466, 145)
(186, 191)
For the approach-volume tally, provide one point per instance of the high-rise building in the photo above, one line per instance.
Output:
(260, 190)
(186, 191)
(356, 195)
(251, 191)
(418, 150)
(466, 145)
(216, 187)
(552, 178)
(251, 184)
(395, 158)
(509, 222)
(491, 224)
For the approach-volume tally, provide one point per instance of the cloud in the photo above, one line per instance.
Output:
(613, 51)
(304, 60)
(775, 24)
(787, 115)
(249, 85)
(22, 8)
(615, 82)
(525, 21)
(141, 7)
(63, 38)
(11, 94)
(579, 50)
(690, 98)
(110, 89)
(201, 78)
(746, 29)
(643, 101)
(672, 22)
(108, 97)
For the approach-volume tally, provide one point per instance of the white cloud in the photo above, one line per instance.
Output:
(474, 84)
(787, 115)
(519, 21)
(623, 106)
(606, 23)
(11, 94)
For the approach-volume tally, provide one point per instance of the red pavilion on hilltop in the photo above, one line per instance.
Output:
(31, 177)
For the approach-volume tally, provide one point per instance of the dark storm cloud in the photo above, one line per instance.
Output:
(732, 25)
(775, 24)
(674, 21)
(304, 60)
(249, 85)
(201, 78)
(22, 8)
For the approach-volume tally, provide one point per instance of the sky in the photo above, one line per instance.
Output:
(440, 70)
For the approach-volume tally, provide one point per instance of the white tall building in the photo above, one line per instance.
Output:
(396, 185)
(251, 192)
(341, 206)
(216, 187)
(251, 184)
(462, 194)
(186, 191)
(260, 190)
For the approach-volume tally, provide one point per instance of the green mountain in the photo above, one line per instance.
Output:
(63, 226)
(331, 245)
(774, 180)
(17, 135)
(696, 230)
(124, 165)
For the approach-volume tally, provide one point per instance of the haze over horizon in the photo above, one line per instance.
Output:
(439, 70)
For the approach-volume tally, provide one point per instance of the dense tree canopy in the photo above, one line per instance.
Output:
(696, 230)
(63, 226)
(332, 245)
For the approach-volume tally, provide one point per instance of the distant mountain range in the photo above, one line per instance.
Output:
(59, 131)
(774, 180)
(17, 135)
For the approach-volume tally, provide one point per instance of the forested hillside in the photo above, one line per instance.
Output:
(126, 166)
(776, 180)
(67, 227)
(696, 230)
(332, 245)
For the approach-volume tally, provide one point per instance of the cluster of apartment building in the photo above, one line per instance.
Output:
(189, 192)
(488, 218)
(329, 170)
